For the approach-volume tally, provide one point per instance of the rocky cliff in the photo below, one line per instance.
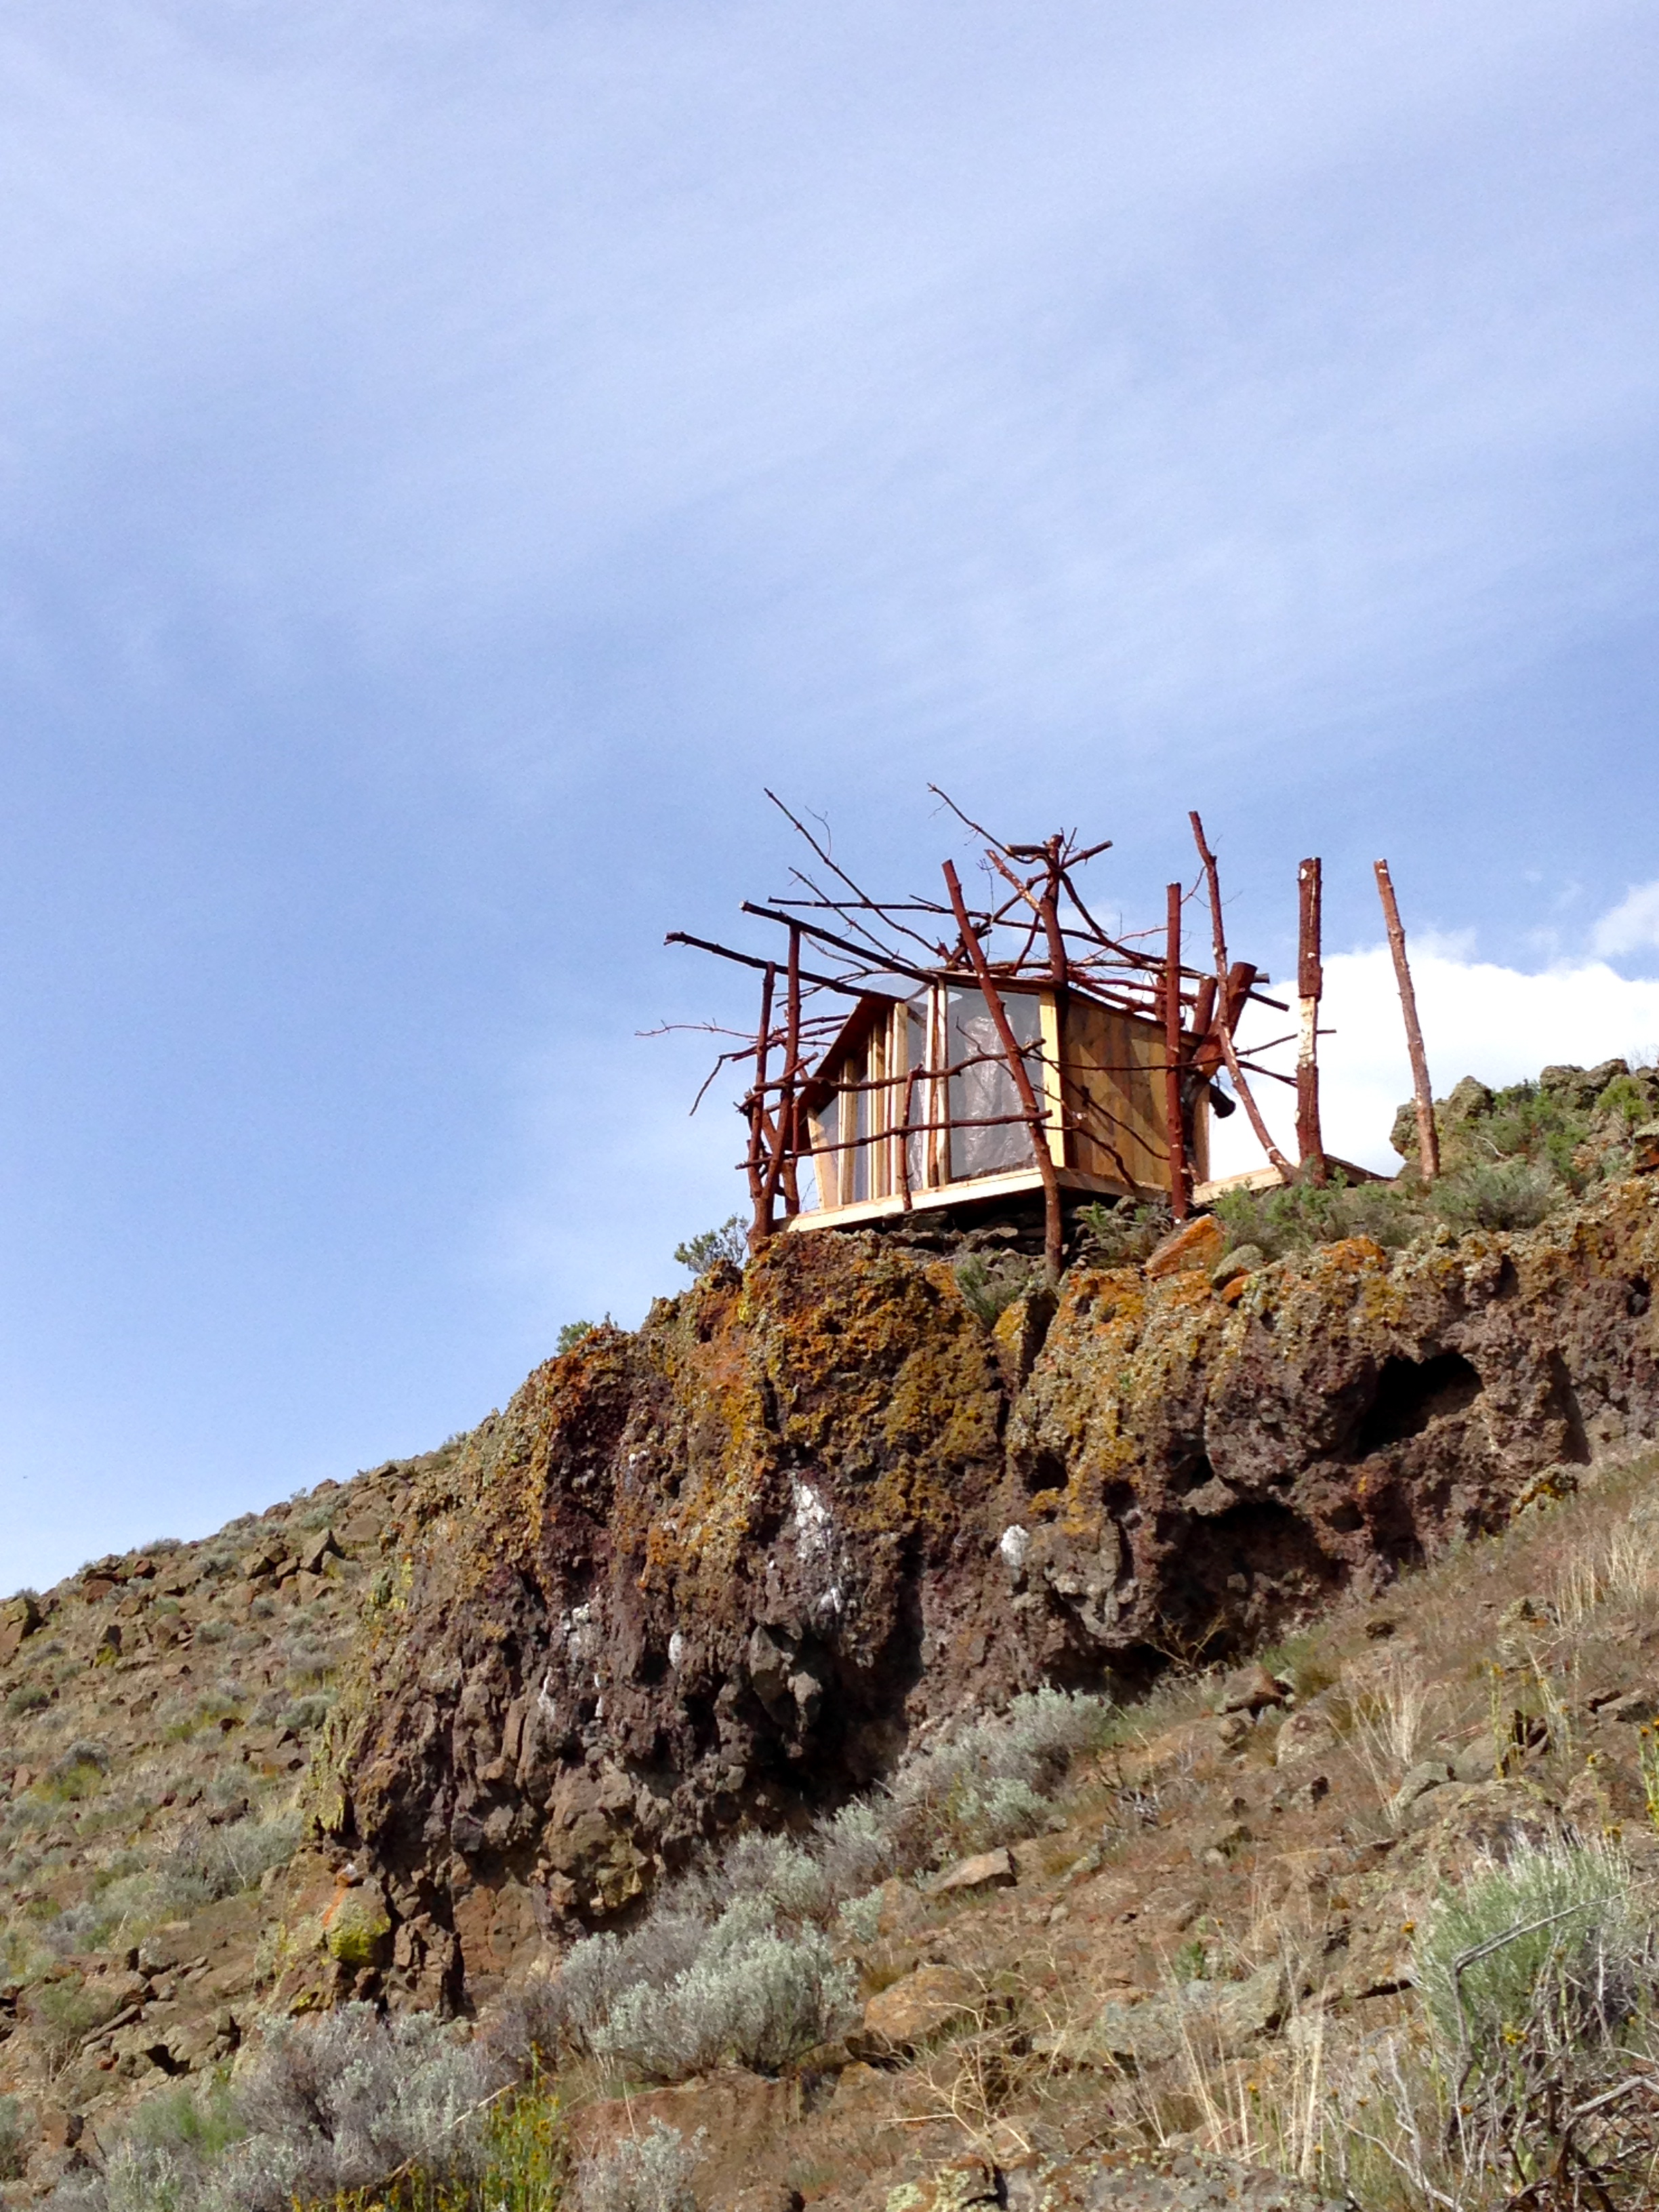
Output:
(725, 1567)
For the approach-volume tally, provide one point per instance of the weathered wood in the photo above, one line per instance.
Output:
(1176, 1135)
(1224, 1025)
(1053, 1224)
(1428, 1137)
(1310, 985)
(761, 1227)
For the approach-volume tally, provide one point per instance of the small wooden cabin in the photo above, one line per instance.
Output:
(914, 1106)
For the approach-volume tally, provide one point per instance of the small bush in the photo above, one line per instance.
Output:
(751, 1995)
(989, 1783)
(989, 1286)
(324, 2106)
(650, 2172)
(13, 2141)
(66, 2012)
(1300, 1215)
(1558, 1935)
(859, 1920)
(1505, 1195)
(856, 1847)
(573, 1333)
(1121, 1231)
(233, 1856)
(27, 1698)
(729, 1242)
(307, 1713)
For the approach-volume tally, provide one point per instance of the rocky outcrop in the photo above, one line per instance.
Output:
(725, 1567)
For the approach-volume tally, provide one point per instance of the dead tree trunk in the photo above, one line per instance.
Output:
(1178, 1189)
(1224, 1015)
(1428, 1137)
(761, 1227)
(1310, 986)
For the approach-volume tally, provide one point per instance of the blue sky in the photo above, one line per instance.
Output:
(451, 457)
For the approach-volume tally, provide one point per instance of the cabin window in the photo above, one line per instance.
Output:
(921, 1144)
(982, 1088)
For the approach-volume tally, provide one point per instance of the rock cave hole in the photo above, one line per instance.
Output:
(1046, 1471)
(1411, 1393)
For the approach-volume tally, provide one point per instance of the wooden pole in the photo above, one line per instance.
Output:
(1053, 1224)
(1058, 966)
(784, 1132)
(1310, 985)
(1225, 1014)
(1428, 1137)
(761, 1227)
(1173, 1114)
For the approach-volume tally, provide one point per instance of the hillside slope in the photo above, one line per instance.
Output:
(410, 1739)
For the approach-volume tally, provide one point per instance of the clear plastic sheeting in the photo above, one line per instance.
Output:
(917, 1016)
(982, 1090)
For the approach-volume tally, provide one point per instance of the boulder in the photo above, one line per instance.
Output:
(928, 2002)
(987, 1870)
(1196, 1243)
(357, 1926)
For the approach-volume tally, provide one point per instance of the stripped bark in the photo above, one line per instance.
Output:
(1179, 1193)
(1224, 1024)
(1428, 1137)
(1310, 985)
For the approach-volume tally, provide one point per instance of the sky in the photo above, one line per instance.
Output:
(452, 458)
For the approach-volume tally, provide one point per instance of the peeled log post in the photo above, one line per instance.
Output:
(761, 1227)
(1049, 906)
(1310, 985)
(783, 1138)
(1053, 1224)
(1224, 1017)
(1428, 1137)
(1173, 1114)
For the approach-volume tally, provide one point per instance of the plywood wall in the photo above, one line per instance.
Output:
(1112, 1069)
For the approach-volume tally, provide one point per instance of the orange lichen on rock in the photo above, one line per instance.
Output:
(727, 1564)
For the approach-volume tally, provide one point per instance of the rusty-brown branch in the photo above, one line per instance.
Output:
(1310, 986)
(1428, 1137)
(1174, 1114)
(1223, 1027)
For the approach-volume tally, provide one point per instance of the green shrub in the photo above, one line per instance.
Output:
(14, 2140)
(1118, 1232)
(649, 2172)
(1539, 1976)
(1549, 1937)
(1513, 1194)
(751, 1995)
(27, 1698)
(66, 2013)
(729, 1242)
(572, 1334)
(989, 1286)
(320, 2108)
(1297, 1217)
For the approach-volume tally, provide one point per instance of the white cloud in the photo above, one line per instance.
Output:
(1478, 1019)
(1631, 925)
